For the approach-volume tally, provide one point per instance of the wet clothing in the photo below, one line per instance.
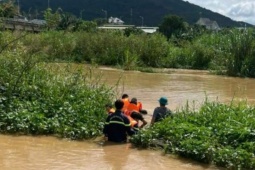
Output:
(117, 127)
(126, 103)
(160, 113)
(136, 116)
(130, 108)
(140, 106)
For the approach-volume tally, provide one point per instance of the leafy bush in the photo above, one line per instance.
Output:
(217, 133)
(37, 98)
(228, 51)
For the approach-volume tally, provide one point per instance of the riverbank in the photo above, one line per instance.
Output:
(159, 70)
(228, 52)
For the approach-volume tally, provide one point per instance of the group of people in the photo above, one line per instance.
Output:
(124, 119)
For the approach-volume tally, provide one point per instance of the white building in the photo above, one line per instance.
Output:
(116, 21)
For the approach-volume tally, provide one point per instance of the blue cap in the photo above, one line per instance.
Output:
(163, 101)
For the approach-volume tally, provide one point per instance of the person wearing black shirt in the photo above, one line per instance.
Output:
(117, 126)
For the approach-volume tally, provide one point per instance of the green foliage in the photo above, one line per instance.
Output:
(217, 133)
(100, 21)
(67, 21)
(8, 9)
(241, 46)
(132, 30)
(172, 25)
(52, 19)
(220, 52)
(193, 32)
(154, 50)
(88, 26)
(37, 98)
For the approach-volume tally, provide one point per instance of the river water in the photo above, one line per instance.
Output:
(180, 87)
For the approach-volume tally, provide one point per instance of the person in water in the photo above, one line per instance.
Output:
(125, 99)
(138, 105)
(161, 112)
(117, 126)
(138, 117)
(109, 108)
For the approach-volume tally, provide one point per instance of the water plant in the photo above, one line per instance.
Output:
(217, 133)
(41, 99)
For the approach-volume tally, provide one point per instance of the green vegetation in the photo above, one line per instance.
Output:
(8, 9)
(39, 99)
(217, 133)
(172, 25)
(229, 52)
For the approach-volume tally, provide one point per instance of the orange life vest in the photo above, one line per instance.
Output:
(126, 103)
(131, 107)
(139, 105)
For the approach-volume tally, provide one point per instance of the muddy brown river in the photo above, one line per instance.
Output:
(180, 87)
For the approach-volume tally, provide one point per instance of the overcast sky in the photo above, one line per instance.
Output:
(239, 10)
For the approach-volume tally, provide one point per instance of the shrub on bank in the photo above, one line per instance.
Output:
(228, 52)
(39, 99)
(217, 133)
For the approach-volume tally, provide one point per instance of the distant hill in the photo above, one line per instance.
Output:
(130, 11)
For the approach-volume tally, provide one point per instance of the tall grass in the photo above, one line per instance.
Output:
(242, 59)
(217, 133)
(229, 51)
(38, 99)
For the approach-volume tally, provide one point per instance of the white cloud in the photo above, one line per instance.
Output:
(239, 10)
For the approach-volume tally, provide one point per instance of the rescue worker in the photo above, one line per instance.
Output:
(109, 108)
(161, 112)
(125, 99)
(135, 106)
(132, 107)
(138, 117)
(117, 125)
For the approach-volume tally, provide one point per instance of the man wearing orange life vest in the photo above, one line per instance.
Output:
(133, 112)
(138, 117)
(132, 107)
(125, 99)
(135, 106)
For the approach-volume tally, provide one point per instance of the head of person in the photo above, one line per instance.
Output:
(119, 104)
(133, 100)
(163, 101)
(108, 106)
(124, 96)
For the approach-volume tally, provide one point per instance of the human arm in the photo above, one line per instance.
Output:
(140, 106)
(153, 117)
(144, 123)
(127, 124)
(106, 125)
(152, 121)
